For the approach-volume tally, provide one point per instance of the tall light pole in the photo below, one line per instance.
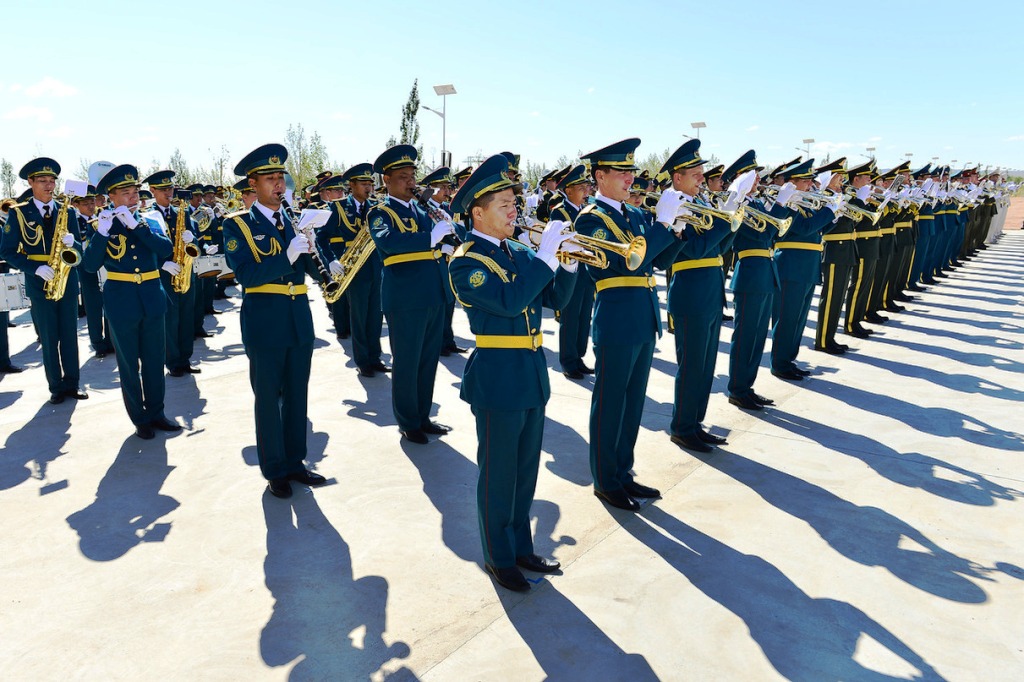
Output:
(443, 91)
(870, 151)
(808, 141)
(697, 125)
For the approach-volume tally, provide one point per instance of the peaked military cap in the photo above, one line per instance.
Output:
(330, 182)
(464, 173)
(490, 176)
(209, 189)
(513, 161)
(783, 167)
(438, 176)
(748, 161)
(574, 176)
(863, 169)
(242, 186)
(117, 177)
(618, 155)
(145, 194)
(38, 167)
(160, 180)
(197, 187)
(360, 171)
(837, 166)
(89, 194)
(323, 174)
(800, 171)
(399, 156)
(687, 156)
(639, 185)
(713, 173)
(268, 158)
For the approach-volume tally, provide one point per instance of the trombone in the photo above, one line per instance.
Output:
(596, 250)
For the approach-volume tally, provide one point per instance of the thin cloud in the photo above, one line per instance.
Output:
(50, 87)
(590, 90)
(29, 113)
(829, 147)
(134, 141)
(753, 128)
(1015, 138)
(874, 139)
(64, 131)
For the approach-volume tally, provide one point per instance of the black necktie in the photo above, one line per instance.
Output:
(47, 218)
(277, 220)
(363, 209)
(508, 251)
(167, 216)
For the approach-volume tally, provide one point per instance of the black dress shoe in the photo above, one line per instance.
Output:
(367, 372)
(691, 442)
(893, 308)
(280, 487)
(165, 424)
(726, 318)
(902, 298)
(203, 335)
(344, 336)
(308, 477)
(745, 403)
(445, 353)
(915, 288)
(56, 398)
(641, 491)
(585, 369)
(145, 432)
(509, 578)
(831, 350)
(76, 393)
(537, 563)
(101, 353)
(859, 333)
(573, 374)
(787, 375)
(381, 367)
(435, 428)
(841, 346)
(176, 372)
(415, 436)
(801, 371)
(761, 400)
(710, 438)
(191, 369)
(11, 369)
(619, 499)
(454, 348)
(928, 280)
(875, 318)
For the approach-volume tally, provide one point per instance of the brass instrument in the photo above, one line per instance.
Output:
(330, 285)
(703, 216)
(358, 252)
(62, 258)
(759, 221)
(596, 250)
(203, 217)
(436, 214)
(183, 253)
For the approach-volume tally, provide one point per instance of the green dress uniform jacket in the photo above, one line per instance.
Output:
(333, 236)
(92, 297)
(837, 263)
(574, 316)
(179, 323)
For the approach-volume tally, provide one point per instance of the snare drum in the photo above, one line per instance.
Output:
(209, 266)
(227, 272)
(12, 292)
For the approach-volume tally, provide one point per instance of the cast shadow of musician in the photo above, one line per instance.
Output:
(184, 400)
(999, 342)
(973, 359)
(316, 447)
(28, 452)
(569, 450)
(913, 470)
(377, 408)
(129, 507)
(937, 421)
(805, 639)
(206, 355)
(973, 324)
(866, 535)
(329, 624)
(967, 310)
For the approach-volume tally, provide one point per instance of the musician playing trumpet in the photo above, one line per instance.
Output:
(28, 244)
(501, 283)
(271, 260)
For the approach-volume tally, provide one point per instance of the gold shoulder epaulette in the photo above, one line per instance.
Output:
(235, 214)
(462, 250)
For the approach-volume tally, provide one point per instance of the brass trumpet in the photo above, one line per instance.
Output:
(703, 216)
(596, 250)
(759, 221)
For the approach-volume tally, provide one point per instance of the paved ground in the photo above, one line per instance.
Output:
(867, 528)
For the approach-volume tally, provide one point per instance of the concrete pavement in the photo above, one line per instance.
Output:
(866, 528)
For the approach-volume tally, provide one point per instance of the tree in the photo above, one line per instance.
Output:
(409, 128)
(306, 157)
(183, 175)
(7, 177)
(83, 169)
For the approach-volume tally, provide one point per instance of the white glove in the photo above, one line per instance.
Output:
(552, 238)
(439, 231)
(448, 249)
(569, 265)
(69, 239)
(786, 193)
(336, 268)
(105, 222)
(927, 185)
(734, 201)
(744, 183)
(864, 192)
(941, 194)
(210, 249)
(188, 237)
(126, 217)
(837, 203)
(904, 193)
(668, 206)
(45, 271)
(298, 246)
(824, 179)
(171, 267)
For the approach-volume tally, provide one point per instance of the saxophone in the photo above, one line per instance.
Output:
(183, 253)
(62, 258)
(358, 252)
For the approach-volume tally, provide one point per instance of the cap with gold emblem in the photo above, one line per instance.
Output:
(269, 158)
(619, 155)
(117, 177)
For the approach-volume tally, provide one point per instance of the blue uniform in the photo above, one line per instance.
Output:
(574, 316)
(179, 322)
(92, 297)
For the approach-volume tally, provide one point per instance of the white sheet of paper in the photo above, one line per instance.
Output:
(76, 188)
(313, 218)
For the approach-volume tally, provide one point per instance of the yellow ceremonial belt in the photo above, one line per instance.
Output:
(286, 289)
(409, 257)
(908, 223)
(498, 341)
(838, 237)
(806, 246)
(337, 240)
(869, 234)
(617, 282)
(136, 277)
(752, 253)
(39, 257)
(926, 217)
(887, 230)
(716, 262)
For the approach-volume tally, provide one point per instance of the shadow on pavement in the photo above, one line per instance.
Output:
(30, 450)
(330, 624)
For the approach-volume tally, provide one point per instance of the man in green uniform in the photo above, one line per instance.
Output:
(92, 296)
(574, 316)
(501, 282)
(440, 180)
(867, 236)
(131, 248)
(838, 259)
(271, 261)
(27, 245)
(626, 320)
(413, 292)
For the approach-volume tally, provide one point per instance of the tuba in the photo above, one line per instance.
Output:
(62, 258)
(183, 253)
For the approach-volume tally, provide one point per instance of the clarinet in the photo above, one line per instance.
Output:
(331, 287)
(437, 215)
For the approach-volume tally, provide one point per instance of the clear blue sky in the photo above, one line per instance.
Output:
(130, 82)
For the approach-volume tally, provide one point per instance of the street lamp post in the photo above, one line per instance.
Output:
(443, 91)
(808, 141)
(697, 125)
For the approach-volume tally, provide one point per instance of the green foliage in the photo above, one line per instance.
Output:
(7, 178)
